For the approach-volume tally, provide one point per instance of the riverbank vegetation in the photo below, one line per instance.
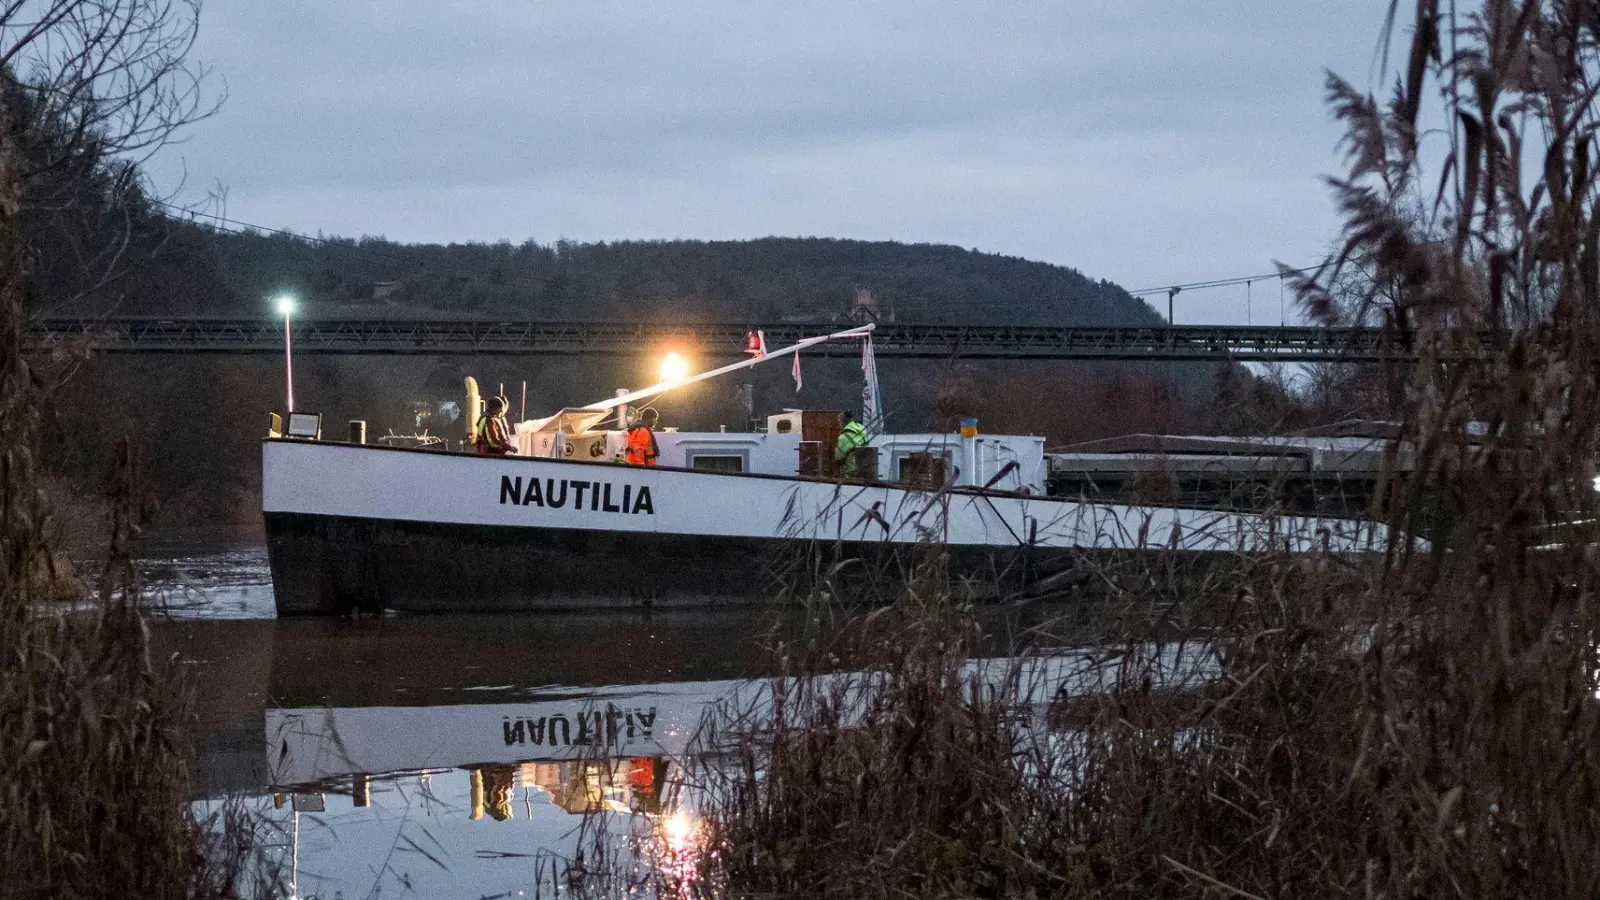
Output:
(1421, 723)
(94, 800)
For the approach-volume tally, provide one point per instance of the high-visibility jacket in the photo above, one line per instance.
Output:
(493, 435)
(642, 447)
(851, 438)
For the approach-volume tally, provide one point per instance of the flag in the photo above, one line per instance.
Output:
(796, 372)
(871, 401)
(756, 344)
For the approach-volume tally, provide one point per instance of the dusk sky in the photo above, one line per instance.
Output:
(1144, 141)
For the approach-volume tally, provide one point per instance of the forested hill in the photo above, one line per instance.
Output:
(767, 279)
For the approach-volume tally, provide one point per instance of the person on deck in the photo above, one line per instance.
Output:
(642, 447)
(851, 439)
(494, 436)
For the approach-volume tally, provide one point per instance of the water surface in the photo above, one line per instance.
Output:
(460, 755)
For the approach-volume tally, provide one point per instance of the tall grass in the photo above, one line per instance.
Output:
(94, 799)
(899, 777)
(950, 765)
(1423, 723)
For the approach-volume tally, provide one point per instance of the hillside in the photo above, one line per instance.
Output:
(765, 279)
(219, 404)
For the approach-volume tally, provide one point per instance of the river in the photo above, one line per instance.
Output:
(440, 754)
(423, 754)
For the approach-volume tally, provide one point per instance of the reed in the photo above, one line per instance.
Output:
(1418, 723)
(901, 776)
(95, 799)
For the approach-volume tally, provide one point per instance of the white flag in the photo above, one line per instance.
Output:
(796, 373)
(871, 401)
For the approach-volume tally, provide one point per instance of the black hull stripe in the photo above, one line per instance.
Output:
(326, 564)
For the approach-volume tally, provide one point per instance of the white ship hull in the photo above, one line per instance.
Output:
(355, 525)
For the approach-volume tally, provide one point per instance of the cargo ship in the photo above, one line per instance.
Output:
(563, 523)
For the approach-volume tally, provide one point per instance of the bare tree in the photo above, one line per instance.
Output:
(88, 89)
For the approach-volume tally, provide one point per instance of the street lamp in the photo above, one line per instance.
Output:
(285, 306)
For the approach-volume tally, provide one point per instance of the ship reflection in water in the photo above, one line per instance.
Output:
(483, 828)
(629, 785)
(469, 755)
(461, 755)
(497, 830)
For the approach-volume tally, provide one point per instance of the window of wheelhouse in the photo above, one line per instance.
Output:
(923, 469)
(717, 462)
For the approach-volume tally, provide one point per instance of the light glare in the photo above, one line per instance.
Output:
(674, 368)
(679, 829)
(285, 306)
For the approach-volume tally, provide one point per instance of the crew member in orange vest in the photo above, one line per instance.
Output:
(494, 437)
(642, 447)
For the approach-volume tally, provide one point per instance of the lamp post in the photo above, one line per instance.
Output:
(286, 309)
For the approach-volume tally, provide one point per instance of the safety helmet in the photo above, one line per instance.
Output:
(497, 405)
(650, 417)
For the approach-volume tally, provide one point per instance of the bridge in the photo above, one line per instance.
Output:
(904, 341)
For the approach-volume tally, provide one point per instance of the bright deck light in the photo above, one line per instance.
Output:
(285, 306)
(674, 368)
(679, 829)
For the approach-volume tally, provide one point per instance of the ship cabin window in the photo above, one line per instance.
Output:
(923, 470)
(717, 462)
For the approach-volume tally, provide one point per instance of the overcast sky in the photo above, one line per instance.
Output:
(1145, 141)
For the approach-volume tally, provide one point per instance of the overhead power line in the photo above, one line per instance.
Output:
(239, 227)
(1222, 282)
